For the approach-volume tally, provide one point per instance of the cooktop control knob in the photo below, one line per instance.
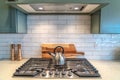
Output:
(39, 70)
(69, 73)
(43, 73)
(74, 70)
(63, 72)
(50, 72)
(17, 70)
(56, 72)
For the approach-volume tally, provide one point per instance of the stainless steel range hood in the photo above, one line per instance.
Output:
(56, 7)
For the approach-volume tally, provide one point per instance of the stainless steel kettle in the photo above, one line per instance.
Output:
(58, 57)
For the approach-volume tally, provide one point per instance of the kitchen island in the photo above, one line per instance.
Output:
(109, 70)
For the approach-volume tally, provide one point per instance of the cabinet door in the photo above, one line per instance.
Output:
(95, 22)
(12, 20)
(21, 22)
(5, 14)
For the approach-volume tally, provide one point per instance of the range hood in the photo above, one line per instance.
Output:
(56, 7)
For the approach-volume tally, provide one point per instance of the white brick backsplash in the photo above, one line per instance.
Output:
(102, 53)
(4, 56)
(102, 57)
(36, 48)
(4, 44)
(71, 17)
(102, 36)
(33, 17)
(31, 44)
(25, 48)
(116, 36)
(37, 22)
(62, 17)
(86, 44)
(111, 40)
(85, 17)
(31, 56)
(47, 35)
(74, 29)
(57, 22)
(88, 52)
(87, 22)
(39, 31)
(42, 27)
(48, 17)
(26, 39)
(116, 45)
(8, 35)
(71, 22)
(4, 48)
(4, 52)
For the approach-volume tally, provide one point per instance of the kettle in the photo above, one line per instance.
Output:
(57, 56)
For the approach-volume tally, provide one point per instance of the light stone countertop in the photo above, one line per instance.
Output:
(109, 70)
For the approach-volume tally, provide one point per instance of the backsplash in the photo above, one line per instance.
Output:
(58, 24)
(62, 29)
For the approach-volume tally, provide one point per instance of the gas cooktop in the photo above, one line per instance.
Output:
(43, 68)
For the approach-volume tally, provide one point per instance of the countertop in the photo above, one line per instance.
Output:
(109, 70)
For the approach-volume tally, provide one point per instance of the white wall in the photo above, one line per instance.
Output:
(62, 29)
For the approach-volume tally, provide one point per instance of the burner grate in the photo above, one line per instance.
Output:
(83, 68)
(43, 68)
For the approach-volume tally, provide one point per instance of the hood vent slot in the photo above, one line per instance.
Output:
(11, 0)
(57, 7)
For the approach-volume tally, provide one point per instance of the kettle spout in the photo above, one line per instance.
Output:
(52, 54)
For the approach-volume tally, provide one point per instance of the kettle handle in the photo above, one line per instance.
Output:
(60, 47)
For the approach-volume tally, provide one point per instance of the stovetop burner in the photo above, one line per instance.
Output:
(43, 68)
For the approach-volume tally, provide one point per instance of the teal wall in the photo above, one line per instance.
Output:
(110, 17)
(12, 20)
(7, 18)
(4, 17)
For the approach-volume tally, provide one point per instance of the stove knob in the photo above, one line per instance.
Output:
(39, 70)
(74, 70)
(50, 72)
(44, 73)
(63, 72)
(69, 73)
(96, 71)
(56, 72)
(17, 70)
